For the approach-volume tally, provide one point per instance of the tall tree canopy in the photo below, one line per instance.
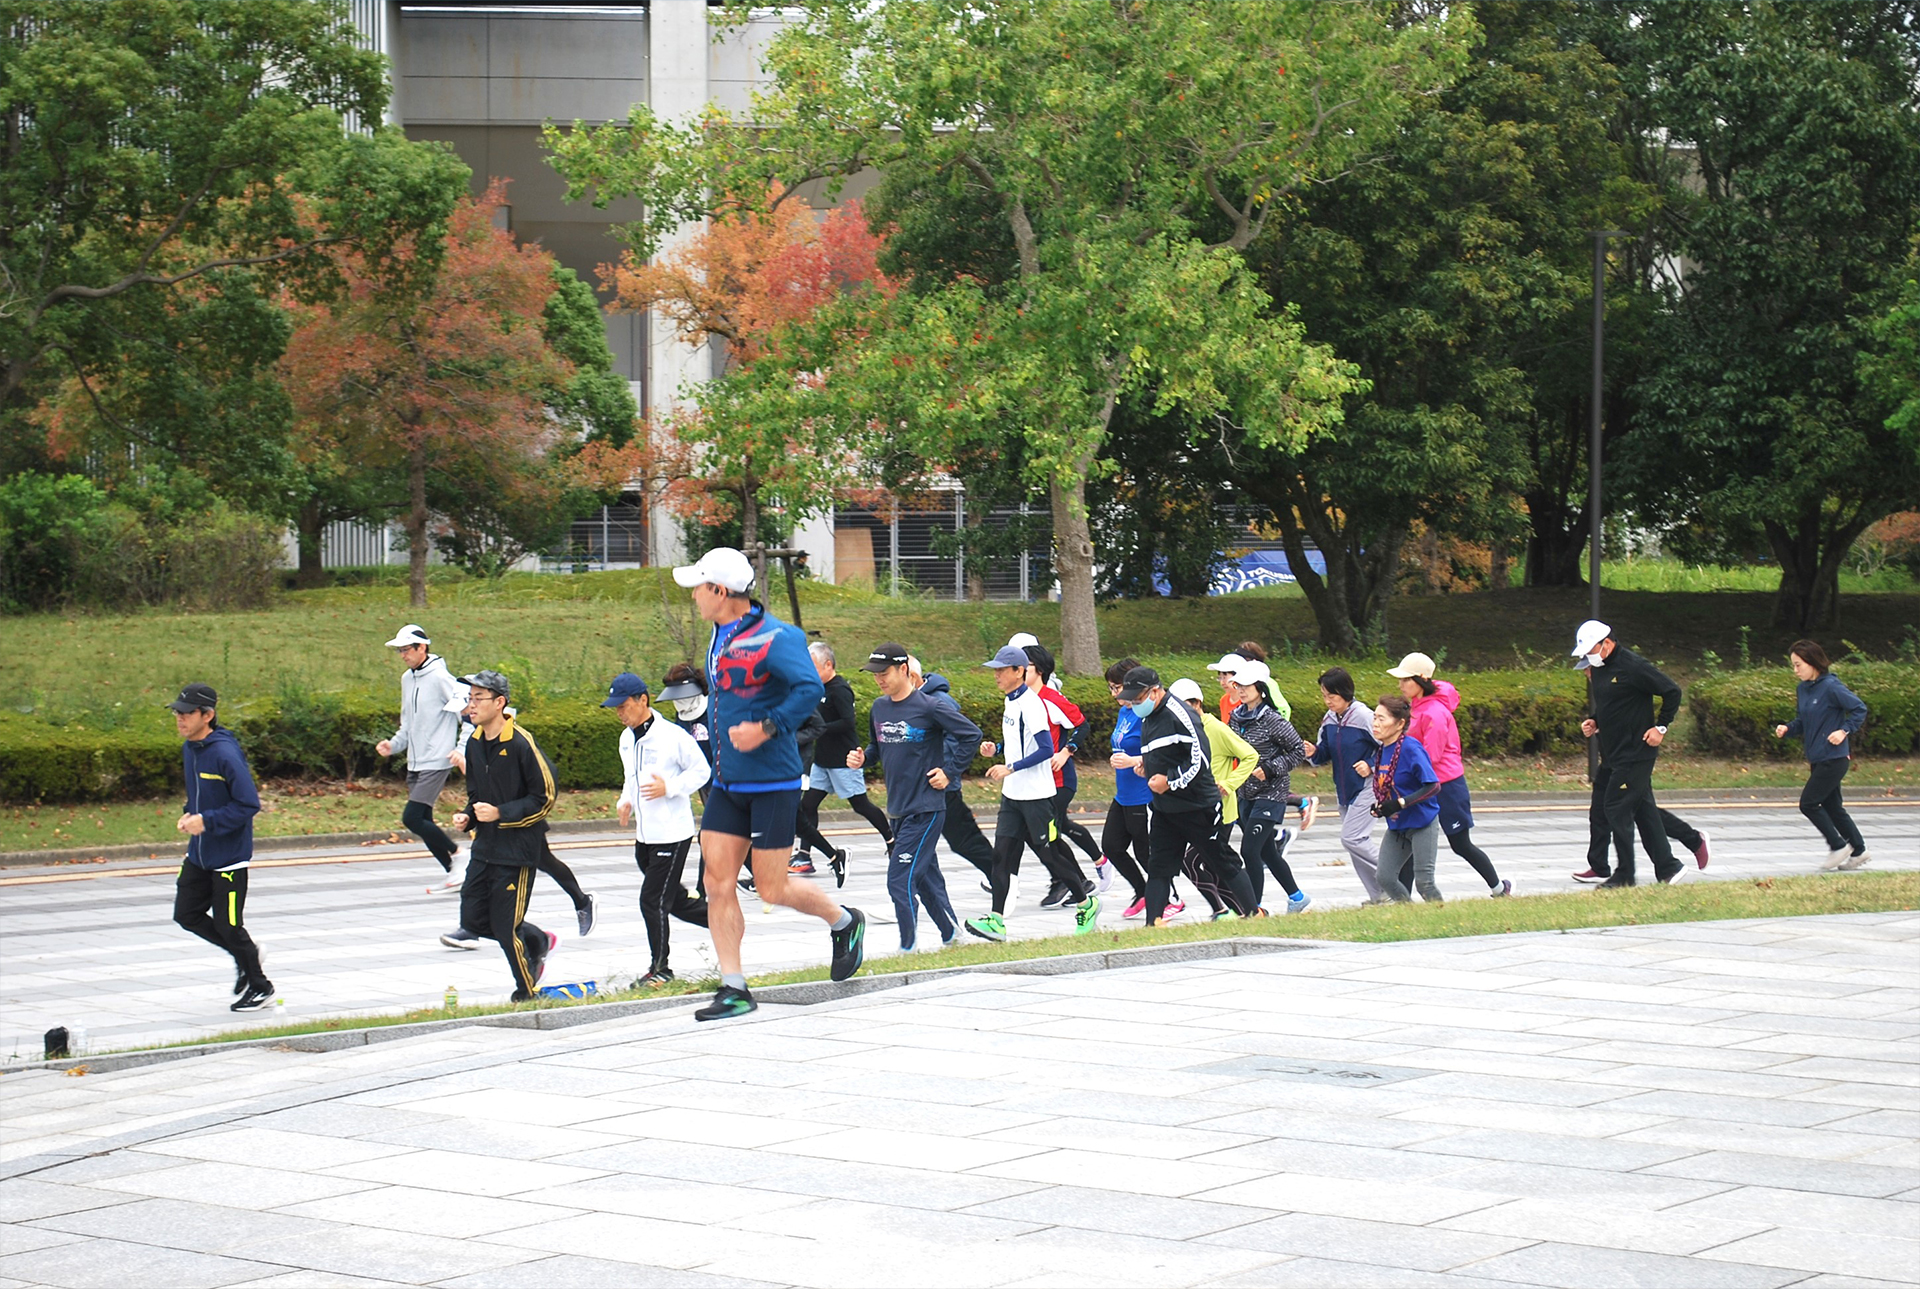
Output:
(1129, 151)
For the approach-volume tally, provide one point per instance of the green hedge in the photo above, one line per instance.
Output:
(1735, 712)
(304, 733)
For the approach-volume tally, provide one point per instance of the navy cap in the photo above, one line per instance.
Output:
(1138, 682)
(1009, 656)
(626, 685)
(194, 698)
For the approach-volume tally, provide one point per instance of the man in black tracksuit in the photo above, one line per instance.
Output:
(1621, 687)
(1177, 763)
(509, 795)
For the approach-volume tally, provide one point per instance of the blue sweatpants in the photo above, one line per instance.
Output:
(913, 877)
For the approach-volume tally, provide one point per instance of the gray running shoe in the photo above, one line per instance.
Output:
(460, 938)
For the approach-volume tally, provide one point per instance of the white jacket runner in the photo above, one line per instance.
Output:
(669, 752)
(431, 700)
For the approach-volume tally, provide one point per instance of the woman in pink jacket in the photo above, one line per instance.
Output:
(1433, 725)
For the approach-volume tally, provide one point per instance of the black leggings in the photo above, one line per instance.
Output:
(807, 827)
(1219, 875)
(1069, 830)
(417, 819)
(1261, 825)
(1126, 826)
(1820, 803)
(563, 876)
(1461, 844)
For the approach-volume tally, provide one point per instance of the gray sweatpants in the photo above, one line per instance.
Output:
(1422, 846)
(1356, 834)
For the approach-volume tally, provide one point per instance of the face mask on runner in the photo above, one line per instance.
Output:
(1142, 709)
(690, 709)
(1596, 660)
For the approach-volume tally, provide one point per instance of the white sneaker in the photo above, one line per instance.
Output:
(1102, 876)
(1309, 811)
(452, 882)
(1835, 860)
(1013, 890)
(1857, 861)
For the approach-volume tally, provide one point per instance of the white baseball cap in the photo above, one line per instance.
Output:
(1589, 636)
(722, 566)
(1021, 639)
(1228, 662)
(411, 634)
(1414, 664)
(1252, 672)
(1186, 690)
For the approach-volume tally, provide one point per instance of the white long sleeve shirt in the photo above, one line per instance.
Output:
(668, 752)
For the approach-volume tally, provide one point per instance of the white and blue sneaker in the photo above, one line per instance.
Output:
(1298, 902)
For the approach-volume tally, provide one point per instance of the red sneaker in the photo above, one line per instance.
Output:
(1700, 851)
(1590, 877)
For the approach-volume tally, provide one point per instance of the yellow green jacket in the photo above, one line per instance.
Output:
(1234, 761)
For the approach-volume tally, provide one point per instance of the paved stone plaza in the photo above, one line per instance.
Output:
(96, 947)
(1724, 1104)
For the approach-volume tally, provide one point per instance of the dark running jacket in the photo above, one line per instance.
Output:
(1620, 694)
(1821, 706)
(220, 790)
(512, 773)
(760, 671)
(1173, 743)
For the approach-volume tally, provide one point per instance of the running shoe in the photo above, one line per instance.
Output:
(1102, 876)
(801, 866)
(1225, 915)
(839, 865)
(1286, 840)
(1857, 861)
(1173, 907)
(239, 981)
(1309, 811)
(654, 979)
(460, 938)
(1298, 902)
(1135, 909)
(1590, 877)
(256, 997)
(1616, 882)
(1013, 891)
(538, 967)
(1700, 851)
(1836, 860)
(1058, 897)
(849, 946)
(1501, 891)
(988, 926)
(746, 882)
(727, 1003)
(451, 880)
(1677, 876)
(585, 914)
(1086, 915)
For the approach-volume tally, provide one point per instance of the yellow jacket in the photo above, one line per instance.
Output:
(1234, 761)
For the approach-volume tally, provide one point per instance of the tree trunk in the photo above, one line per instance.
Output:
(1556, 542)
(417, 526)
(1429, 561)
(1810, 562)
(974, 520)
(310, 524)
(1497, 575)
(1073, 565)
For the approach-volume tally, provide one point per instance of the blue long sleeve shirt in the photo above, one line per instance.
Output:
(1821, 706)
(1342, 740)
(760, 671)
(220, 790)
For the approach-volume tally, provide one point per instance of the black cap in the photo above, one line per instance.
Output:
(196, 697)
(1138, 682)
(890, 654)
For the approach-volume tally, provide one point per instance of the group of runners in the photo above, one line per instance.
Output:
(769, 728)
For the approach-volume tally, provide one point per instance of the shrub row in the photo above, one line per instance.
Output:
(1735, 712)
(302, 733)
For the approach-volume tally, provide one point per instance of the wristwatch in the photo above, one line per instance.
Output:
(769, 728)
(1661, 730)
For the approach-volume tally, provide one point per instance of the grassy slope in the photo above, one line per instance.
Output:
(1646, 905)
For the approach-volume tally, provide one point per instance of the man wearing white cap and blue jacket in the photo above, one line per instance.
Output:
(763, 686)
(430, 704)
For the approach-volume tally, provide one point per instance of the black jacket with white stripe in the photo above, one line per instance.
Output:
(1173, 743)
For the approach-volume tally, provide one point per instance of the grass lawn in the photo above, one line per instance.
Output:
(1865, 892)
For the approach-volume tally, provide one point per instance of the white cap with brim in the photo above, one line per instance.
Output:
(1414, 664)
(1021, 639)
(721, 566)
(1228, 662)
(1186, 690)
(1252, 672)
(411, 634)
(1589, 636)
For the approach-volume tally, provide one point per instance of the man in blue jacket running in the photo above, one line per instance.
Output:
(210, 896)
(763, 686)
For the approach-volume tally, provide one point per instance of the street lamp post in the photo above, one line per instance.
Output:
(1600, 239)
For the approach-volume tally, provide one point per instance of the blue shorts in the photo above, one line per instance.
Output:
(1456, 807)
(766, 819)
(841, 782)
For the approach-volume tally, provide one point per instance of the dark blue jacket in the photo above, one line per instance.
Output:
(1412, 775)
(958, 751)
(220, 790)
(759, 670)
(1821, 706)
(1341, 741)
(908, 738)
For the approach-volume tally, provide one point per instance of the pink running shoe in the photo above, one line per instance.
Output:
(1700, 851)
(1138, 907)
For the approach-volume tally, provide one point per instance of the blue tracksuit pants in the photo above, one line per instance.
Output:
(914, 878)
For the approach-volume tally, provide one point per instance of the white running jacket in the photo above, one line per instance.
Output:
(670, 753)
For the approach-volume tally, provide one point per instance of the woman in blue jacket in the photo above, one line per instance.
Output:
(1827, 715)
(1406, 794)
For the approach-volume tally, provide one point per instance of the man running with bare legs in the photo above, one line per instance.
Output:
(763, 686)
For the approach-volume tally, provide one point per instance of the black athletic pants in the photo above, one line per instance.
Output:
(1820, 803)
(663, 894)
(1068, 830)
(563, 877)
(1169, 834)
(1261, 827)
(1600, 835)
(961, 832)
(417, 819)
(807, 827)
(1126, 827)
(1030, 823)
(1220, 876)
(214, 907)
(493, 903)
(1628, 791)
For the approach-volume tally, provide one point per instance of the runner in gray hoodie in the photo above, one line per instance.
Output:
(430, 704)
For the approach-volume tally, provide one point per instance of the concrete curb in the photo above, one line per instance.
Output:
(805, 993)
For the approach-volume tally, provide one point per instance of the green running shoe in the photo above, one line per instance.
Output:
(849, 946)
(1087, 916)
(1226, 915)
(990, 926)
(727, 1003)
